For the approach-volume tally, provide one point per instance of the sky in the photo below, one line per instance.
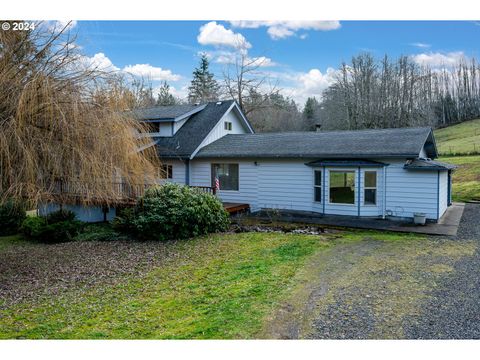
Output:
(300, 57)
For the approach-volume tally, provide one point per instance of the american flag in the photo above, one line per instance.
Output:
(217, 184)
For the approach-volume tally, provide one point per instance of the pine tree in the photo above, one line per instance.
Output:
(164, 96)
(204, 87)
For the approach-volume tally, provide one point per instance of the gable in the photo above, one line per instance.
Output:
(204, 124)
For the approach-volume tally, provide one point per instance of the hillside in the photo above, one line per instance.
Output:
(463, 138)
(458, 139)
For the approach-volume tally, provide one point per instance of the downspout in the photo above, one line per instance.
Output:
(384, 202)
(359, 185)
(324, 193)
(187, 172)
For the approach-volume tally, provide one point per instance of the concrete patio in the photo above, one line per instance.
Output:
(448, 224)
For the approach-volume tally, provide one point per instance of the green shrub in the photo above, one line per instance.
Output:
(99, 232)
(57, 227)
(60, 215)
(172, 211)
(11, 218)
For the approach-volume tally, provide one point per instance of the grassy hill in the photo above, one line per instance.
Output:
(458, 139)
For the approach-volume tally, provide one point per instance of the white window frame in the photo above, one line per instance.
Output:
(365, 187)
(227, 125)
(318, 186)
(355, 187)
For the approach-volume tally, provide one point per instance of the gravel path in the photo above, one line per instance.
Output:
(453, 311)
(374, 289)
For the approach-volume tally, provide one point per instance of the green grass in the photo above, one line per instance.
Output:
(221, 286)
(463, 138)
(466, 179)
(7, 241)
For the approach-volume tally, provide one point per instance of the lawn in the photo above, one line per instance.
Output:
(466, 179)
(221, 286)
(463, 138)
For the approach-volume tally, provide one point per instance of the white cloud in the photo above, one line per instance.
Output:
(99, 62)
(58, 25)
(309, 84)
(226, 57)
(283, 29)
(216, 35)
(151, 72)
(439, 59)
(421, 45)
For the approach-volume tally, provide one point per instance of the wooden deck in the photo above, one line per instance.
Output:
(234, 208)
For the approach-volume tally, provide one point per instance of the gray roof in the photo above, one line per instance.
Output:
(399, 143)
(345, 162)
(187, 139)
(166, 112)
(428, 164)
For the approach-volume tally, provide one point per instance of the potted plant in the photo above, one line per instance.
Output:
(419, 218)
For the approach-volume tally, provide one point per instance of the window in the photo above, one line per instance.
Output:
(342, 187)
(228, 125)
(166, 172)
(370, 188)
(227, 175)
(317, 186)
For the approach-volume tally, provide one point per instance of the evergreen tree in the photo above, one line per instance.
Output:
(165, 97)
(203, 87)
(310, 108)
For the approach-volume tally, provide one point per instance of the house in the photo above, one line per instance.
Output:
(388, 173)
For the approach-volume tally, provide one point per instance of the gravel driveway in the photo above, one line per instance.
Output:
(387, 289)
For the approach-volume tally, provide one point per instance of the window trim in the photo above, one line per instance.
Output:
(318, 186)
(355, 202)
(227, 125)
(370, 188)
(212, 173)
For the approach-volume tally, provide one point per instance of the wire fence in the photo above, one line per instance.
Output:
(474, 149)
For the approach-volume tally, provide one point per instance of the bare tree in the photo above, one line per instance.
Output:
(61, 120)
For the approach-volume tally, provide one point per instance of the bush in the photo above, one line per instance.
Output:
(11, 218)
(56, 227)
(99, 232)
(172, 211)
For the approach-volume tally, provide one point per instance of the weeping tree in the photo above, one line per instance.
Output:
(62, 119)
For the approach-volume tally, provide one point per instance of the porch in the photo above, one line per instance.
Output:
(447, 225)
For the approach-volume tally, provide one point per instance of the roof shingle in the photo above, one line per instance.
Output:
(401, 142)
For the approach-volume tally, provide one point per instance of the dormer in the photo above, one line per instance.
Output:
(165, 121)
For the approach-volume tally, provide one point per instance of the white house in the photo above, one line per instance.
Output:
(367, 173)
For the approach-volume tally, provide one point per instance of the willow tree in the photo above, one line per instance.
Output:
(60, 120)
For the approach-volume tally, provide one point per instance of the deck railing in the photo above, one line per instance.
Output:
(122, 192)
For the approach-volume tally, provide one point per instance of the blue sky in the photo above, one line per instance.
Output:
(299, 56)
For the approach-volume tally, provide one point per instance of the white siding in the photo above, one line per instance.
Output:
(238, 127)
(443, 192)
(83, 213)
(178, 171)
(178, 124)
(285, 184)
(247, 188)
(410, 191)
(288, 184)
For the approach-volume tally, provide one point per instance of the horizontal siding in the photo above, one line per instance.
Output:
(219, 131)
(178, 172)
(288, 184)
(443, 194)
(82, 213)
(248, 187)
(411, 191)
